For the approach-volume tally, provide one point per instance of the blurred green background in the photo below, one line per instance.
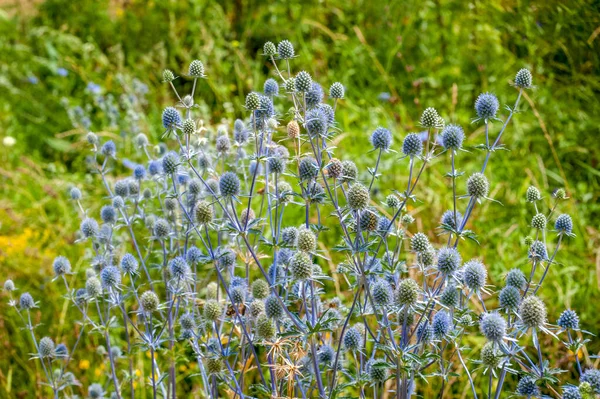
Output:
(69, 65)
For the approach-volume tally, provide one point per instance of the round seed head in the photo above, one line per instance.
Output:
(269, 49)
(358, 197)
(412, 145)
(453, 137)
(478, 185)
(285, 49)
(89, 228)
(337, 90)
(196, 69)
(533, 194)
(430, 118)
(276, 164)
(308, 169)
(419, 243)
(212, 310)
(229, 184)
(564, 224)
(523, 79)
(203, 212)
(381, 139)
(532, 312)
(527, 387)
(301, 266)
(510, 298)
(539, 221)
(568, 320)
(407, 292)
(493, 327)
(474, 275)
(349, 171)
(171, 118)
(303, 82)
(490, 355)
(168, 76)
(61, 265)
(486, 106)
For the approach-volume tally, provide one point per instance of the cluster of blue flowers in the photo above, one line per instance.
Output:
(198, 255)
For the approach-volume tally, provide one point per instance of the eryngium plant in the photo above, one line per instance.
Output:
(210, 255)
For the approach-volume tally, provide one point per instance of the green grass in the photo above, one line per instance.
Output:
(394, 59)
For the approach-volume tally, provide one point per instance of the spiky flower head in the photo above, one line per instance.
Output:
(453, 137)
(89, 228)
(75, 193)
(412, 145)
(108, 214)
(533, 194)
(269, 49)
(301, 266)
(171, 118)
(314, 96)
(407, 292)
(532, 312)
(515, 278)
(527, 387)
(26, 301)
(212, 310)
(306, 240)
(61, 266)
(381, 139)
(474, 275)
(571, 392)
(229, 184)
(592, 377)
(46, 347)
(273, 308)
(352, 339)
(381, 292)
(9, 285)
(168, 76)
(129, 264)
(523, 78)
(316, 123)
(478, 185)
(170, 162)
(290, 85)
(260, 289)
(358, 197)
(271, 87)
(289, 235)
(285, 49)
(419, 243)
(337, 90)
(539, 221)
(179, 268)
(442, 324)
(223, 144)
(149, 302)
(368, 221)
(349, 171)
(568, 320)
(493, 327)
(449, 260)
(509, 298)
(537, 251)
(265, 328)
(424, 332)
(560, 194)
(93, 287)
(490, 355)
(430, 118)
(303, 82)
(392, 201)
(448, 219)
(486, 106)
(110, 277)
(213, 365)
(449, 297)
(109, 149)
(196, 69)
(308, 169)
(564, 224)
(252, 101)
